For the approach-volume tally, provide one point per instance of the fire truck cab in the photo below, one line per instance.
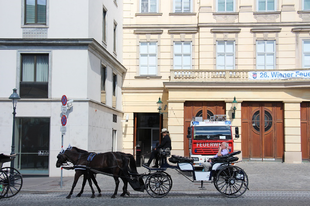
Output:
(206, 135)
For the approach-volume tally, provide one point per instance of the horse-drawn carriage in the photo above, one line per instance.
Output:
(11, 181)
(228, 179)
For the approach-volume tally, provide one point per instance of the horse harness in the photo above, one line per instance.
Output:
(89, 160)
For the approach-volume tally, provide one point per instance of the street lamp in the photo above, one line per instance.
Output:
(234, 107)
(14, 97)
(159, 104)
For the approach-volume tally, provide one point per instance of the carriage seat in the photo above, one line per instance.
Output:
(6, 158)
(180, 159)
(226, 158)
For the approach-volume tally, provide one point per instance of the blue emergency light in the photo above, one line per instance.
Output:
(195, 123)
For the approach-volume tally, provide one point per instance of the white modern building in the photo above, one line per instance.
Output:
(51, 48)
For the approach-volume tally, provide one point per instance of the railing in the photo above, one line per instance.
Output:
(273, 75)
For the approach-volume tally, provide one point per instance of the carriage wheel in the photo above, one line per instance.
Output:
(15, 181)
(231, 181)
(158, 184)
(4, 183)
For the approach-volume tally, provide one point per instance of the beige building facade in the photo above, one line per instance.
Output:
(197, 55)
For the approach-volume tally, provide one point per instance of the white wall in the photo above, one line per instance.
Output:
(69, 73)
(68, 19)
(7, 72)
(10, 14)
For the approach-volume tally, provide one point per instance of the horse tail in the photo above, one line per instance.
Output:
(132, 164)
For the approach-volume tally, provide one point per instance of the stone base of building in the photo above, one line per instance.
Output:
(292, 157)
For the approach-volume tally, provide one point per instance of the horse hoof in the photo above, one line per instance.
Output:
(113, 196)
(99, 195)
(78, 195)
(93, 196)
(68, 197)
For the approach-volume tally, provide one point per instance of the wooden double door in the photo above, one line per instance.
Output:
(305, 130)
(199, 109)
(262, 131)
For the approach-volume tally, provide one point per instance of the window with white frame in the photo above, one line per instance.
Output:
(103, 77)
(182, 58)
(114, 84)
(306, 54)
(148, 58)
(115, 37)
(266, 5)
(182, 6)
(104, 25)
(148, 6)
(305, 4)
(35, 12)
(225, 55)
(114, 140)
(265, 54)
(225, 5)
(34, 76)
(103, 72)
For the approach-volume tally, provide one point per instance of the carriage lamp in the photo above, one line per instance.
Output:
(234, 107)
(14, 97)
(159, 104)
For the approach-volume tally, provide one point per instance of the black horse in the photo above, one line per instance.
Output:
(116, 164)
(88, 175)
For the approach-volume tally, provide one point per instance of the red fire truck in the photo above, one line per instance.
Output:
(206, 135)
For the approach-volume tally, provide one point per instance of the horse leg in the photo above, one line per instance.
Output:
(92, 175)
(116, 186)
(76, 178)
(91, 187)
(125, 191)
(83, 184)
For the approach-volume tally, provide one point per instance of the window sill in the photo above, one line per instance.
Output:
(149, 14)
(34, 26)
(226, 13)
(148, 77)
(303, 12)
(183, 14)
(266, 12)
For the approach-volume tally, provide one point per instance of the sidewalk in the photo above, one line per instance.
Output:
(263, 176)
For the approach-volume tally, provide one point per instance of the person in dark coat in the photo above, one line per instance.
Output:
(165, 143)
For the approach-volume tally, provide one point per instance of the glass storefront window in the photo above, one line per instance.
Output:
(32, 145)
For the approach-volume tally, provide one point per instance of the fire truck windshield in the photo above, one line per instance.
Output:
(212, 133)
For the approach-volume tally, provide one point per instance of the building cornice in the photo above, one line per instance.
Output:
(265, 29)
(38, 101)
(148, 31)
(193, 30)
(301, 29)
(225, 30)
(215, 25)
(236, 85)
(83, 42)
(142, 89)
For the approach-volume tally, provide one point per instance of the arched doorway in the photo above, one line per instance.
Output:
(199, 109)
